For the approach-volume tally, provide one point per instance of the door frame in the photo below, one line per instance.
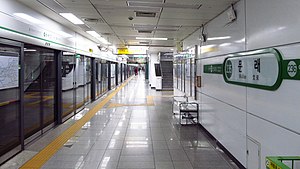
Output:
(259, 150)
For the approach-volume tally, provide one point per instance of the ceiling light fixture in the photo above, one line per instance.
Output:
(93, 33)
(144, 38)
(219, 38)
(97, 36)
(28, 18)
(159, 4)
(72, 18)
(240, 41)
(101, 39)
(29, 50)
(225, 44)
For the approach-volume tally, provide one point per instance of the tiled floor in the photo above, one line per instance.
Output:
(141, 137)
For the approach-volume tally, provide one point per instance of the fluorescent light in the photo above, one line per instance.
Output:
(64, 34)
(29, 50)
(208, 48)
(28, 18)
(68, 53)
(240, 41)
(72, 18)
(219, 38)
(93, 33)
(144, 38)
(97, 36)
(171, 49)
(101, 39)
(225, 44)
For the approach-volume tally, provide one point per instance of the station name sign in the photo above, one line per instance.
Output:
(263, 69)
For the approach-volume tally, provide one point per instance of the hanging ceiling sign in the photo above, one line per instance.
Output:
(123, 51)
(132, 51)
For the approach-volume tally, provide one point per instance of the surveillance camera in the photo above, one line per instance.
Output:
(130, 18)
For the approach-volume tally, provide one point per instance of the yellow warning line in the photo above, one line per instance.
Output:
(114, 105)
(150, 100)
(43, 156)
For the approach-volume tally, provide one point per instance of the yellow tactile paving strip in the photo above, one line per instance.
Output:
(150, 102)
(43, 156)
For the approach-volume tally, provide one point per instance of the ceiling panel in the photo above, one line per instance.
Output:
(74, 3)
(123, 20)
(101, 28)
(176, 20)
(185, 22)
(191, 14)
(121, 31)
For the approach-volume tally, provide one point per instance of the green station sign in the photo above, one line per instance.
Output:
(214, 69)
(262, 69)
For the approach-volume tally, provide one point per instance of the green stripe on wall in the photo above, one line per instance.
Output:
(213, 69)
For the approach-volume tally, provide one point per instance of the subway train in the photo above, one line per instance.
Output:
(47, 75)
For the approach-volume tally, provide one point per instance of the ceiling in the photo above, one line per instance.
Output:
(172, 19)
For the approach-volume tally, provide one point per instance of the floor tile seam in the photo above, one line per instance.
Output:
(125, 136)
(182, 149)
(39, 160)
(123, 144)
(211, 144)
(154, 161)
(169, 149)
(104, 149)
(214, 148)
(94, 145)
(221, 156)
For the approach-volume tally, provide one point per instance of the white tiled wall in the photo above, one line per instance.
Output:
(234, 113)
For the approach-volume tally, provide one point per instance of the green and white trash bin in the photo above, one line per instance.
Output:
(283, 162)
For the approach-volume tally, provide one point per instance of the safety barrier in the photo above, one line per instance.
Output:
(279, 162)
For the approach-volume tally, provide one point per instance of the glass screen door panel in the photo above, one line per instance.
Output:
(105, 77)
(193, 85)
(10, 98)
(97, 78)
(187, 77)
(113, 74)
(119, 73)
(48, 87)
(68, 82)
(39, 88)
(80, 74)
(88, 82)
(100, 77)
(32, 91)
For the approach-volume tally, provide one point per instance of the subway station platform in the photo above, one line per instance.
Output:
(130, 127)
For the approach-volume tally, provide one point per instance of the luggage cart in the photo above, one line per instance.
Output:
(187, 112)
(176, 102)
